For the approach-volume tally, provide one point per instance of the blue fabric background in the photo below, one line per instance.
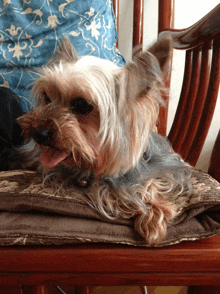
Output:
(31, 30)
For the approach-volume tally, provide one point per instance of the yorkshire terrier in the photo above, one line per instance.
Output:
(94, 129)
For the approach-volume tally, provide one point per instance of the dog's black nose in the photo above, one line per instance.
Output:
(42, 137)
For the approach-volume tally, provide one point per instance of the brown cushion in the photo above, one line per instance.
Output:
(31, 214)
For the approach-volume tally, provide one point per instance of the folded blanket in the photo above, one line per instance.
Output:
(33, 214)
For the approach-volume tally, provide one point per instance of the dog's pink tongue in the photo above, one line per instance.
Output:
(51, 157)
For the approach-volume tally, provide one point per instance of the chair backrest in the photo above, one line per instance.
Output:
(138, 16)
(201, 76)
(200, 84)
(165, 21)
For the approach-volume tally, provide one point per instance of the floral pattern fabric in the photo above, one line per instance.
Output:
(30, 32)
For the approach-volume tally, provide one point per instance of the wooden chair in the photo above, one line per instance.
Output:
(188, 263)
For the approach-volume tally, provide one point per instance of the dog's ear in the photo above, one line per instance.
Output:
(67, 51)
(162, 51)
(146, 69)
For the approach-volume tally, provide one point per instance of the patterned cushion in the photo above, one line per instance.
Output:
(33, 214)
(31, 30)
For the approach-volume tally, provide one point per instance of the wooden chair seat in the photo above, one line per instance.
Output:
(188, 263)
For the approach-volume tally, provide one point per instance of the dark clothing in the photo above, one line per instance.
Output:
(10, 131)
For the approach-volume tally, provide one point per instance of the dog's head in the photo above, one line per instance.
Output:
(93, 114)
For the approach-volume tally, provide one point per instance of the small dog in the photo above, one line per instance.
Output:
(94, 129)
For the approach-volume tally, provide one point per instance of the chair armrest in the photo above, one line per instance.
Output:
(204, 30)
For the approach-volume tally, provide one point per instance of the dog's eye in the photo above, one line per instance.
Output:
(81, 106)
(47, 99)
